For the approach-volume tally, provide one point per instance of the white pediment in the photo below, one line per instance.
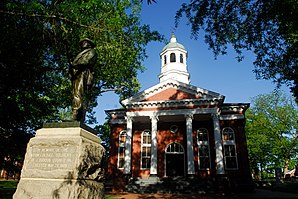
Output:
(194, 92)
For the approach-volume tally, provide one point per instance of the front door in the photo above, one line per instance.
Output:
(174, 160)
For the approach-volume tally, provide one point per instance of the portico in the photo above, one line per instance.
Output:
(186, 116)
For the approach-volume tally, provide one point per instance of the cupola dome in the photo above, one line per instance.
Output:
(173, 44)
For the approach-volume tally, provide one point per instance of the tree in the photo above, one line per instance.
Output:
(272, 131)
(268, 28)
(38, 41)
(150, 1)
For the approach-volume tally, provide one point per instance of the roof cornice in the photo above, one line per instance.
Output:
(175, 103)
(234, 107)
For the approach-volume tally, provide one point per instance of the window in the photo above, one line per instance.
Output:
(165, 59)
(181, 58)
(174, 128)
(229, 145)
(204, 151)
(175, 148)
(228, 134)
(172, 57)
(121, 149)
(146, 150)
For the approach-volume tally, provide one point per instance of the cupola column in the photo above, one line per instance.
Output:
(153, 167)
(190, 153)
(127, 158)
(218, 145)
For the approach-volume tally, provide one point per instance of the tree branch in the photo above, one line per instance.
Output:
(111, 89)
(48, 16)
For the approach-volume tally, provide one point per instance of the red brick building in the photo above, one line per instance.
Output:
(177, 129)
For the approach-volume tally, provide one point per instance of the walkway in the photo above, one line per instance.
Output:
(258, 194)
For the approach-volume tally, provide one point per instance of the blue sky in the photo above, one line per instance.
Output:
(225, 75)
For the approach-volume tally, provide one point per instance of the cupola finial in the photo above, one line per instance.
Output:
(173, 38)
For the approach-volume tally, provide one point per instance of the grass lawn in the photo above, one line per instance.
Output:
(7, 188)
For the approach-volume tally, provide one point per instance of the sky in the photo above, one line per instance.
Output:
(225, 75)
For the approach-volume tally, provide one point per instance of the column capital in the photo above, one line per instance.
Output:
(215, 116)
(129, 118)
(189, 116)
(154, 117)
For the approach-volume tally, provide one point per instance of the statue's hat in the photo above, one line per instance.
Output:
(89, 41)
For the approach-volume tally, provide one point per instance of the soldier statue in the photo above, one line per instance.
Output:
(81, 71)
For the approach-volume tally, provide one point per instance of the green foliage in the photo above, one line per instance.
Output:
(272, 132)
(104, 135)
(268, 28)
(40, 38)
(8, 184)
(150, 1)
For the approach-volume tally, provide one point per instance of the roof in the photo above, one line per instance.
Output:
(173, 44)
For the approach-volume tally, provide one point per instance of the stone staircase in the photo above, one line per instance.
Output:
(169, 185)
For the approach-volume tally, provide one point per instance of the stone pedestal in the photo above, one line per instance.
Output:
(63, 161)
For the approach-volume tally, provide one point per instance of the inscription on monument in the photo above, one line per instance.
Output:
(52, 158)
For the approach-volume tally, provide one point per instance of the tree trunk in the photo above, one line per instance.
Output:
(262, 175)
(286, 167)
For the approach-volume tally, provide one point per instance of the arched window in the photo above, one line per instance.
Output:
(229, 145)
(172, 57)
(175, 148)
(165, 59)
(181, 58)
(121, 149)
(146, 150)
(204, 149)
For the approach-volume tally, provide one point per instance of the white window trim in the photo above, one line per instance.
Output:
(200, 143)
(118, 161)
(145, 145)
(175, 152)
(229, 142)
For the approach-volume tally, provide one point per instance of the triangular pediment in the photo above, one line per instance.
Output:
(171, 94)
(172, 90)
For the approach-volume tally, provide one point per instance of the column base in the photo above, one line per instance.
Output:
(190, 176)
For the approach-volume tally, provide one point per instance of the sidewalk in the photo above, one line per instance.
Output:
(258, 194)
(261, 193)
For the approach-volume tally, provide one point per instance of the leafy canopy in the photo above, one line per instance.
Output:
(271, 129)
(268, 28)
(39, 38)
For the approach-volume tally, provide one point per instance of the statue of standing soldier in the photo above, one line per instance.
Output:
(81, 71)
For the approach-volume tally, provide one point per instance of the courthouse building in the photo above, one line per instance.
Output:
(177, 129)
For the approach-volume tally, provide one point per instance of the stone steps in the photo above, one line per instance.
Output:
(168, 185)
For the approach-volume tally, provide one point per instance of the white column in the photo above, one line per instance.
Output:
(190, 154)
(127, 159)
(218, 145)
(153, 167)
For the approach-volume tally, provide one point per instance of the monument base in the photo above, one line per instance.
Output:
(62, 162)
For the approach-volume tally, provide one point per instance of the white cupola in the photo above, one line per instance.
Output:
(173, 62)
